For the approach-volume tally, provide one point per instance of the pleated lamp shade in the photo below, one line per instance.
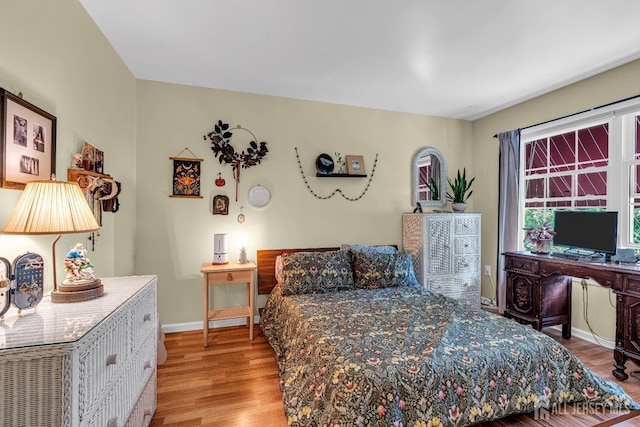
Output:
(51, 207)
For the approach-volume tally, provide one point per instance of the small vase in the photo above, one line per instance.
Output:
(459, 206)
(543, 246)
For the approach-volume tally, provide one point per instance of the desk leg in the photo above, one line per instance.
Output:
(205, 319)
(251, 303)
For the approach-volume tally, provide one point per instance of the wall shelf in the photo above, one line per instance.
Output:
(339, 175)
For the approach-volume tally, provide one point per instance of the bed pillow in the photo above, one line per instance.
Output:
(316, 272)
(368, 249)
(373, 270)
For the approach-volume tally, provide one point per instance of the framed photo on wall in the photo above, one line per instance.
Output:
(355, 165)
(28, 142)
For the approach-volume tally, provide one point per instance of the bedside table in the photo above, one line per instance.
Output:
(222, 274)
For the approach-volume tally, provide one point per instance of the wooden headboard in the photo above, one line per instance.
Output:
(267, 265)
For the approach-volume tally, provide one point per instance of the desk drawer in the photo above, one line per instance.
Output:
(229, 277)
(521, 264)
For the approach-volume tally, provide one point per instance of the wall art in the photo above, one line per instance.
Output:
(186, 176)
(220, 205)
(252, 155)
(28, 149)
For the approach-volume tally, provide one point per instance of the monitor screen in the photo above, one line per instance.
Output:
(594, 231)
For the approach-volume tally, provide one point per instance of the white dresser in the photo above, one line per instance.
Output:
(446, 252)
(90, 363)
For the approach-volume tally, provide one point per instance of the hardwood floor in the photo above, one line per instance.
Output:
(234, 382)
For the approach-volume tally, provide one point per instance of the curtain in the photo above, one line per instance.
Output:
(509, 174)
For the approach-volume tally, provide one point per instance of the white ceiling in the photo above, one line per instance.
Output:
(461, 59)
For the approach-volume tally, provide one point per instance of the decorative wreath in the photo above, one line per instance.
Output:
(222, 148)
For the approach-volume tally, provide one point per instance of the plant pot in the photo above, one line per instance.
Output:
(459, 206)
(543, 246)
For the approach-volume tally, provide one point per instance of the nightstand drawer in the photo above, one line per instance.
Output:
(229, 277)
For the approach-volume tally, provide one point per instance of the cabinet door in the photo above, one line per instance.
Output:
(632, 324)
(438, 242)
(520, 293)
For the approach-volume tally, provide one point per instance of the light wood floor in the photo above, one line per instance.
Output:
(234, 382)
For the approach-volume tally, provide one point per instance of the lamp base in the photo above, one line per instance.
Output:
(77, 292)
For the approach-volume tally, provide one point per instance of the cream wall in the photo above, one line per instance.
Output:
(618, 84)
(174, 236)
(53, 53)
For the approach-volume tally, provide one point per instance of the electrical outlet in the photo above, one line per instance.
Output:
(487, 270)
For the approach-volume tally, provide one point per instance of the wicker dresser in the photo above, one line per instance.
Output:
(446, 252)
(89, 363)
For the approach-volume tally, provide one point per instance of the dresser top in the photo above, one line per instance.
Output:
(60, 323)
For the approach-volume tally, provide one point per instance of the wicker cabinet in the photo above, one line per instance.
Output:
(90, 363)
(446, 252)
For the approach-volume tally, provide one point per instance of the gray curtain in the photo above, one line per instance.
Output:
(508, 204)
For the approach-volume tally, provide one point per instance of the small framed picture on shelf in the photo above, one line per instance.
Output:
(28, 150)
(89, 157)
(355, 165)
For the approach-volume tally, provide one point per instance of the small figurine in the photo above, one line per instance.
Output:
(77, 266)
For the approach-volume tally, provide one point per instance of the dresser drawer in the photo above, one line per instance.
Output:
(102, 360)
(466, 245)
(229, 277)
(466, 289)
(143, 317)
(467, 225)
(468, 264)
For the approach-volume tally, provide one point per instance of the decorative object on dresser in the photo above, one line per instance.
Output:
(220, 138)
(94, 366)
(186, 176)
(460, 191)
(61, 209)
(446, 252)
(232, 272)
(22, 286)
(28, 149)
(429, 178)
(527, 273)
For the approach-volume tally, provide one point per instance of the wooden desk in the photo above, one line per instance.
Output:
(527, 273)
(221, 274)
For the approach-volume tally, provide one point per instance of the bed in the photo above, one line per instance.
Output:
(359, 342)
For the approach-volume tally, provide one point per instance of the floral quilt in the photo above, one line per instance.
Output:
(403, 356)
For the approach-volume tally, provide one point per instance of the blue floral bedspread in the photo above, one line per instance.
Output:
(404, 356)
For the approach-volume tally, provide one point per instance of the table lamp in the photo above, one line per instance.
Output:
(53, 207)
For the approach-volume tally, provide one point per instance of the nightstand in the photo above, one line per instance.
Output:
(222, 274)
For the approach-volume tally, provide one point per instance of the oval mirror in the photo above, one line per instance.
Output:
(429, 178)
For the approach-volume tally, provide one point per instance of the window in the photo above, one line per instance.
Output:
(587, 161)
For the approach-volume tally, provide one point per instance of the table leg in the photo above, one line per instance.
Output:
(205, 319)
(251, 302)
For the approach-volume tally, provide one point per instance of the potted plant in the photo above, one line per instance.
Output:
(460, 191)
(540, 236)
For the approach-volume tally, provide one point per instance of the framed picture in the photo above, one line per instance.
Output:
(355, 165)
(99, 158)
(28, 142)
(186, 177)
(220, 205)
(89, 157)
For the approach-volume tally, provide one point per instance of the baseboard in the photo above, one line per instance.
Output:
(195, 326)
(588, 336)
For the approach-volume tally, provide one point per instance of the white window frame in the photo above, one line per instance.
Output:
(620, 117)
